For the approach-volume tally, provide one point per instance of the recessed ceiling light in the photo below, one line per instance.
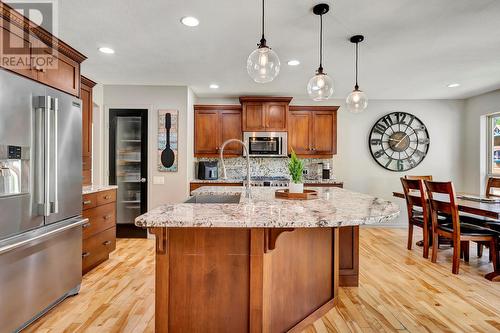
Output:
(214, 86)
(453, 85)
(190, 21)
(106, 50)
(293, 62)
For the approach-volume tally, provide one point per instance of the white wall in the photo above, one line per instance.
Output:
(98, 135)
(354, 164)
(475, 147)
(154, 98)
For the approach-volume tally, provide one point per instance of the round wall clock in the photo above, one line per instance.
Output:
(399, 141)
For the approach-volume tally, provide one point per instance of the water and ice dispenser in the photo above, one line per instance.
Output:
(14, 169)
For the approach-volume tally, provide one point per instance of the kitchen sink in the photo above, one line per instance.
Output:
(215, 199)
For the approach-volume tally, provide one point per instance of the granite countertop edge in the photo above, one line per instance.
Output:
(89, 189)
(335, 208)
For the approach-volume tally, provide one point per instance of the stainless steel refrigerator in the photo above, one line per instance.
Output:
(40, 199)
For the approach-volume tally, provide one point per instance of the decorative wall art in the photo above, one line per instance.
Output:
(167, 140)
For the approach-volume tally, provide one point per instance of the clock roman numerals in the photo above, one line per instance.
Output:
(399, 141)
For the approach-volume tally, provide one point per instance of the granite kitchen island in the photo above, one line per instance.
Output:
(227, 263)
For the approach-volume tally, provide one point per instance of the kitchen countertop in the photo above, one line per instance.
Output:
(335, 207)
(306, 181)
(97, 188)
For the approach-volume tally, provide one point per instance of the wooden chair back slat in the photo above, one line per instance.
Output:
(429, 177)
(438, 205)
(492, 184)
(412, 199)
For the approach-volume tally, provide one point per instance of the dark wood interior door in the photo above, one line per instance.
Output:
(206, 132)
(253, 117)
(276, 116)
(324, 132)
(299, 132)
(230, 128)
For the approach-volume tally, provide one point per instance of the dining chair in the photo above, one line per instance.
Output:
(455, 230)
(492, 184)
(415, 217)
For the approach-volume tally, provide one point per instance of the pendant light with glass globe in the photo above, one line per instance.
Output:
(263, 64)
(357, 100)
(320, 86)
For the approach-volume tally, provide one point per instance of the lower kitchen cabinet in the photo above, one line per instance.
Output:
(99, 233)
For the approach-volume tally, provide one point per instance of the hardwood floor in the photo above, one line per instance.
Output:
(399, 292)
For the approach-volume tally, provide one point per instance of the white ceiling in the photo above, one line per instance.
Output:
(412, 48)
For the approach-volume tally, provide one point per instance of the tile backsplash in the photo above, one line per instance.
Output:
(265, 166)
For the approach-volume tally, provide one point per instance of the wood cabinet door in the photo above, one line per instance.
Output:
(230, 128)
(299, 132)
(65, 76)
(253, 117)
(17, 50)
(86, 97)
(276, 116)
(206, 132)
(324, 132)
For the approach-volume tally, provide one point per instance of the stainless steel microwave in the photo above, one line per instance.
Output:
(266, 144)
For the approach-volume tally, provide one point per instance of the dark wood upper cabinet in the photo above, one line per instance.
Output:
(299, 132)
(312, 131)
(262, 114)
(87, 114)
(230, 128)
(61, 68)
(213, 125)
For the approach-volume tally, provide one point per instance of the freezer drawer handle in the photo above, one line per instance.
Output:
(106, 243)
(85, 254)
(11, 247)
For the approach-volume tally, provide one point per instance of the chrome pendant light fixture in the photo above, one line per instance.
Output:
(357, 100)
(263, 64)
(320, 86)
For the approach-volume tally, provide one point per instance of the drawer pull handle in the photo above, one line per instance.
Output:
(107, 217)
(87, 202)
(106, 197)
(106, 243)
(86, 225)
(85, 254)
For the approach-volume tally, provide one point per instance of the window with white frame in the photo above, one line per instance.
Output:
(494, 144)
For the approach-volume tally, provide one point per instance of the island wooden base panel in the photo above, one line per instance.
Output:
(399, 291)
(244, 280)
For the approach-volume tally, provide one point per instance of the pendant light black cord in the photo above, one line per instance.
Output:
(263, 39)
(356, 87)
(320, 69)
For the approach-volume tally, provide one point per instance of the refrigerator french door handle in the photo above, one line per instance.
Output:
(39, 154)
(46, 207)
(54, 202)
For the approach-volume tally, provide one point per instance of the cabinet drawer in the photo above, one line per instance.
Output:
(100, 218)
(96, 249)
(89, 201)
(106, 197)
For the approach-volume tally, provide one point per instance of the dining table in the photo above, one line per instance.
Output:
(480, 206)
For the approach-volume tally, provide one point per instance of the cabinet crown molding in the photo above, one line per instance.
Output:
(88, 82)
(244, 99)
(8, 14)
(313, 108)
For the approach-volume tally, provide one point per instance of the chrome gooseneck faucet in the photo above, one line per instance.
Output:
(248, 191)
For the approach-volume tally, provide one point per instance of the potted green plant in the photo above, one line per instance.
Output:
(296, 166)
